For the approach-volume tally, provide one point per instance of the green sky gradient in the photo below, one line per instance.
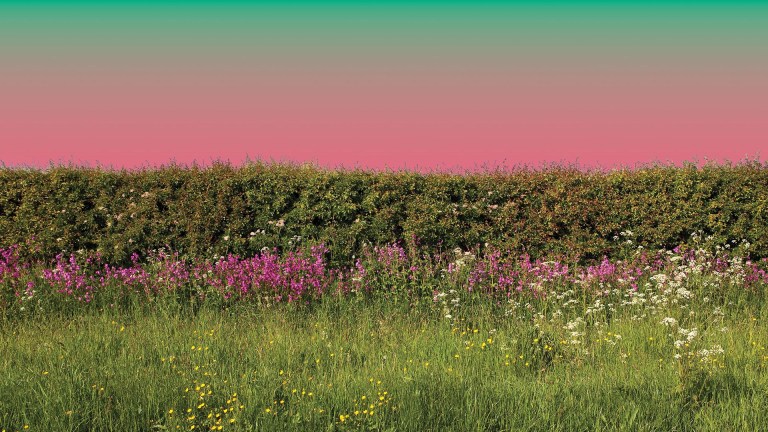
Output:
(737, 25)
(327, 36)
(566, 41)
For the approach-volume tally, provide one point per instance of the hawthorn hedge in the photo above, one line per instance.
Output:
(206, 211)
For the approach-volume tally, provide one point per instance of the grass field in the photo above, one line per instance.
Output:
(679, 346)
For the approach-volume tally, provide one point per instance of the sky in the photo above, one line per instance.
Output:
(380, 84)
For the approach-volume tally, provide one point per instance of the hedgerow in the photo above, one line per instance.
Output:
(221, 209)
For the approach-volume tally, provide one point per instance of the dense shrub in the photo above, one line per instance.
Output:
(224, 209)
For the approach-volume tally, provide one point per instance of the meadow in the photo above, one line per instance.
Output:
(476, 340)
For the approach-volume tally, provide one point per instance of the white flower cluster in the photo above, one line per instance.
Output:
(669, 322)
(462, 260)
(708, 355)
(683, 293)
(572, 327)
(686, 336)
(449, 306)
(599, 307)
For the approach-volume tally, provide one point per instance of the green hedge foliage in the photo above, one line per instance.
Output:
(223, 209)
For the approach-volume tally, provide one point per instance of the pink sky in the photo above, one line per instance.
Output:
(382, 116)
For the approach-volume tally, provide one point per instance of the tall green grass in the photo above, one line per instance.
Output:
(370, 363)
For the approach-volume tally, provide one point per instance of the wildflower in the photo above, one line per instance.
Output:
(669, 322)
